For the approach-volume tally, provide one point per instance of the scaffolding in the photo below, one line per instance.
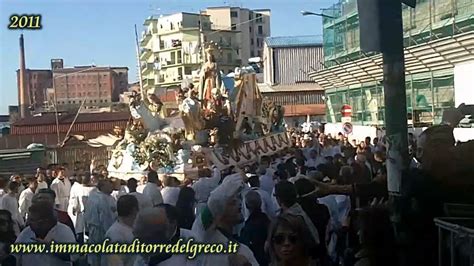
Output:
(430, 20)
(438, 35)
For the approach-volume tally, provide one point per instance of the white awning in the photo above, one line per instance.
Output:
(443, 53)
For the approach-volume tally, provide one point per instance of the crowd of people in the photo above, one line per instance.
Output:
(320, 202)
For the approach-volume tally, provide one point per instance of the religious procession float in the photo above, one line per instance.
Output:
(227, 124)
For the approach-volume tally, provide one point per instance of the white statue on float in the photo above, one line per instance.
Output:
(147, 108)
(146, 143)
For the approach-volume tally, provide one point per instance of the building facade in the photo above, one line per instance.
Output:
(170, 48)
(287, 62)
(438, 38)
(253, 27)
(97, 86)
(37, 83)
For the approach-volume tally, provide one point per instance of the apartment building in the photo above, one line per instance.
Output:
(253, 27)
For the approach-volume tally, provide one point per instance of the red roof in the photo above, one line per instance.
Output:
(50, 118)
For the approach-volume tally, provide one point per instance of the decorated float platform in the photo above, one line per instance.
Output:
(222, 120)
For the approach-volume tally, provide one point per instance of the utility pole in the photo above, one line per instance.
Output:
(381, 30)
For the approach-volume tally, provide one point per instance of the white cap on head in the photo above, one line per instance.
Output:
(230, 187)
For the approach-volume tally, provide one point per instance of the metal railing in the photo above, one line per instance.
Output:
(456, 240)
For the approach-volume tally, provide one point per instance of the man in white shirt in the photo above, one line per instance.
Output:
(122, 231)
(207, 182)
(73, 206)
(143, 201)
(170, 191)
(142, 184)
(266, 179)
(99, 214)
(10, 203)
(314, 159)
(19, 180)
(44, 228)
(79, 206)
(267, 205)
(41, 179)
(62, 187)
(152, 190)
(26, 196)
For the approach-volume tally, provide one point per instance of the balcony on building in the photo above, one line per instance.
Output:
(148, 68)
(145, 53)
(148, 82)
(146, 37)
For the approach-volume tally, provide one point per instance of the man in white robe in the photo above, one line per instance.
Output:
(62, 187)
(152, 190)
(122, 231)
(44, 228)
(26, 196)
(206, 183)
(99, 214)
(216, 222)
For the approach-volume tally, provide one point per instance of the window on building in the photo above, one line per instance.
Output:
(233, 27)
(251, 41)
(162, 44)
(234, 14)
(187, 71)
(252, 54)
(180, 73)
(250, 29)
(171, 26)
(173, 58)
(250, 15)
(259, 18)
(259, 53)
(260, 30)
(178, 57)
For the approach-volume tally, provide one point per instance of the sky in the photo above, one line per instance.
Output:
(101, 32)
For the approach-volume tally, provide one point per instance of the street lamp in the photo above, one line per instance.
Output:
(309, 13)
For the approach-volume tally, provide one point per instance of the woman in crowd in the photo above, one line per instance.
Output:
(290, 242)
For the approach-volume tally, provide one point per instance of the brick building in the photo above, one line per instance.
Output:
(37, 83)
(99, 86)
